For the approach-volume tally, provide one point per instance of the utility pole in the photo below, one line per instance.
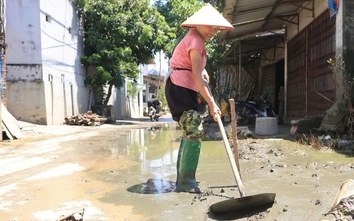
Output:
(158, 84)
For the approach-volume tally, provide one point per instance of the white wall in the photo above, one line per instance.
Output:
(45, 76)
(23, 35)
(61, 51)
(306, 17)
(25, 97)
(29, 107)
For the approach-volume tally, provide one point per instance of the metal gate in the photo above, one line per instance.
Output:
(310, 81)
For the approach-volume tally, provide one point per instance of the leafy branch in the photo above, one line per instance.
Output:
(345, 83)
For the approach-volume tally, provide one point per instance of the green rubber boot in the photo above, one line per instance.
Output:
(187, 162)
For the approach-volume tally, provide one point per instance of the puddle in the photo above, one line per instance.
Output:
(130, 175)
(153, 186)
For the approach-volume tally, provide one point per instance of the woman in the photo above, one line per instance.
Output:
(188, 77)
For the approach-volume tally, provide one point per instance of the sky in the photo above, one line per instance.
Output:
(156, 66)
(164, 61)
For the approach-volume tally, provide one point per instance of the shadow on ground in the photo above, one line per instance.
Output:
(153, 186)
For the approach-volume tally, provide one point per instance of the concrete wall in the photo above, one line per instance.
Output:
(29, 107)
(305, 18)
(62, 46)
(339, 30)
(25, 97)
(45, 76)
(346, 33)
(273, 55)
(340, 40)
(292, 30)
(23, 35)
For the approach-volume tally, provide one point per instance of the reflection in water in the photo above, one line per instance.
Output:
(155, 150)
(153, 147)
(157, 147)
(154, 131)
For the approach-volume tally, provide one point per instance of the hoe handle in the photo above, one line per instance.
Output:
(234, 134)
(231, 158)
(229, 152)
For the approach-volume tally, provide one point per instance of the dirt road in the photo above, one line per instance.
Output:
(128, 173)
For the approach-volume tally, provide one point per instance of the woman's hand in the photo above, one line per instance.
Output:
(214, 110)
(205, 76)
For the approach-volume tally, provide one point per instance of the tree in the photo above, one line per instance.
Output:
(118, 36)
(177, 11)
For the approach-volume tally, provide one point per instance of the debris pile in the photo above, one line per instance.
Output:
(86, 119)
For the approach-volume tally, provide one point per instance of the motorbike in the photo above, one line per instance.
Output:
(248, 111)
(153, 114)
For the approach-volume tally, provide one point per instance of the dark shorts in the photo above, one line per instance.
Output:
(180, 99)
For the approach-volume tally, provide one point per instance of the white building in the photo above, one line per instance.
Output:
(45, 79)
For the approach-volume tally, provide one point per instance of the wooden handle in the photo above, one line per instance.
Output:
(229, 152)
(231, 158)
(234, 134)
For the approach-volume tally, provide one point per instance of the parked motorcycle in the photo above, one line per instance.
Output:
(248, 111)
(153, 114)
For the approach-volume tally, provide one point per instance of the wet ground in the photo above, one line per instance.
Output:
(127, 172)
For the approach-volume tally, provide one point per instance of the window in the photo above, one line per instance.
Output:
(48, 18)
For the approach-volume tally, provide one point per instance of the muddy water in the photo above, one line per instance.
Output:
(117, 174)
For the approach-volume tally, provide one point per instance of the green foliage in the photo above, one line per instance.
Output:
(132, 89)
(215, 52)
(345, 83)
(118, 36)
(341, 78)
(161, 96)
(177, 11)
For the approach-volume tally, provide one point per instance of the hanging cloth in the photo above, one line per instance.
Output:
(333, 7)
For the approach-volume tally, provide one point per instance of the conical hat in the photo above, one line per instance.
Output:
(207, 15)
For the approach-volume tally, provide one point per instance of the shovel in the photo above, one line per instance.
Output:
(346, 189)
(243, 203)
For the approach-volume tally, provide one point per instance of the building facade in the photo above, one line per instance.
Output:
(45, 79)
(282, 48)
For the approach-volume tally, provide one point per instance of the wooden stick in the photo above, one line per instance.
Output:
(234, 134)
(230, 156)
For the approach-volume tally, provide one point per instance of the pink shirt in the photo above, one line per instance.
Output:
(181, 59)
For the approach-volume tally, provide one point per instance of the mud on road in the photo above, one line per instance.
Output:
(128, 173)
(304, 179)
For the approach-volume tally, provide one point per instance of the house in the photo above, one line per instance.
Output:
(45, 79)
(153, 82)
(282, 47)
(154, 75)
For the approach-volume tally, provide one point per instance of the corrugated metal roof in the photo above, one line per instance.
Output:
(257, 19)
(254, 16)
